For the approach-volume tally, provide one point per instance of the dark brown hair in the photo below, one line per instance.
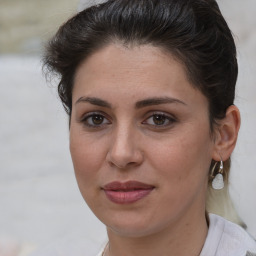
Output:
(194, 31)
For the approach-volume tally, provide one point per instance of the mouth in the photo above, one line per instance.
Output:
(127, 192)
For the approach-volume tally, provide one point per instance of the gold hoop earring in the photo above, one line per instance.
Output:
(218, 181)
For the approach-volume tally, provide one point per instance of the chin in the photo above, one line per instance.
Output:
(130, 231)
(132, 226)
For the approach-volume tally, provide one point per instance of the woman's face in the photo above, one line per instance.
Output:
(140, 140)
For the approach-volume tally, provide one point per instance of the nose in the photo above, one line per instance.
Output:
(124, 151)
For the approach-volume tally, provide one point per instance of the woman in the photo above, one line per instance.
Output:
(149, 89)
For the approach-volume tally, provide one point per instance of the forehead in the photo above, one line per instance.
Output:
(139, 71)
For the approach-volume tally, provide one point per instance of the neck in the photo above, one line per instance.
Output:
(182, 238)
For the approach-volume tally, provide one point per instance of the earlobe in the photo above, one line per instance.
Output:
(227, 133)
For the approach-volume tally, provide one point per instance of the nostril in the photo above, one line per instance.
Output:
(119, 166)
(124, 155)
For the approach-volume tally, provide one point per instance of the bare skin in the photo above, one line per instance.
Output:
(136, 117)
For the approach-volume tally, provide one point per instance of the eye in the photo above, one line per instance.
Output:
(95, 120)
(159, 119)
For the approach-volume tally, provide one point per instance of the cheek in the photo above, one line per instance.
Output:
(183, 159)
(181, 168)
(88, 155)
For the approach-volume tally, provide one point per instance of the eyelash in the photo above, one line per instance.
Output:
(170, 120)
(94, 114)
(85, 120)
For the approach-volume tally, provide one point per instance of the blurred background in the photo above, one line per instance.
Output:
(39, 200)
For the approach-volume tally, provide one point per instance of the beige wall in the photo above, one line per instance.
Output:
(25, 24)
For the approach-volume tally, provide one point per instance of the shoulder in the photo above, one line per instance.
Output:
(229, 238)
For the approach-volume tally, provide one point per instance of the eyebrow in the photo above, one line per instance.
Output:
(139, 104)
(157, 101)
(94, 101)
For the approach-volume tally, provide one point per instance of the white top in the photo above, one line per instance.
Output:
(225, 238)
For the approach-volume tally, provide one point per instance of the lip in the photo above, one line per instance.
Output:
(127, 192)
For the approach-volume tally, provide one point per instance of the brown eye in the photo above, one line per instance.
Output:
(95, 120)
(159, 119)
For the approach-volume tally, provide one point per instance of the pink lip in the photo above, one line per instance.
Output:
(127, 192)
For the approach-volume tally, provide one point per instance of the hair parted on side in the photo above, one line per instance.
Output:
(193, 31)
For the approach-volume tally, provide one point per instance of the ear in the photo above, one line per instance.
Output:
(226, 134)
